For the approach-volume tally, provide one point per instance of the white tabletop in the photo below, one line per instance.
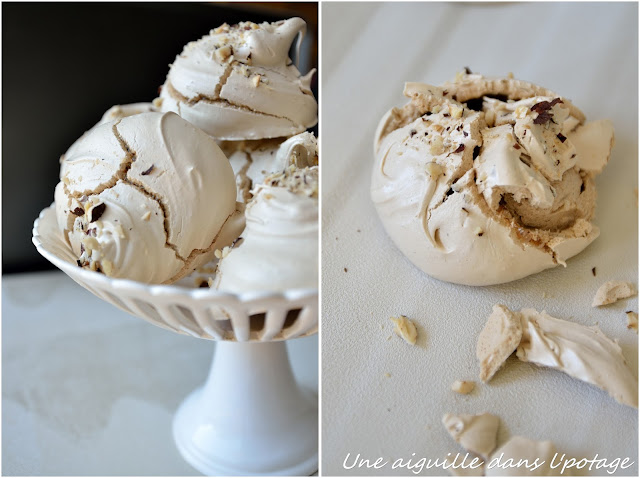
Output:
(587, 52)
(90, 390)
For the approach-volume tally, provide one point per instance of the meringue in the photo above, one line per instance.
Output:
(238, 83)
(484, 181)
(145, 197)
(278, 250)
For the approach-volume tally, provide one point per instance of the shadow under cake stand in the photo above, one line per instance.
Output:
(250, 417)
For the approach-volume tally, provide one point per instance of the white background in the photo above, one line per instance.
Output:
(586, 52)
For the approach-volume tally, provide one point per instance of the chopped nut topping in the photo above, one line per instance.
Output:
(463, 387)
(256, 80)
(405, 328)
(146, 216)
(223, 53)
(437, 146)
(456, 111)
(434, 170)
(221, 254)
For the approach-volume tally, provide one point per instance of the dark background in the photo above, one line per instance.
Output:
(65, 64)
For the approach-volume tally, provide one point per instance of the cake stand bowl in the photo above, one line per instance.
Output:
(250, 417)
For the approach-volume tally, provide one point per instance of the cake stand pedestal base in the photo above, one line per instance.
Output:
(250, 417)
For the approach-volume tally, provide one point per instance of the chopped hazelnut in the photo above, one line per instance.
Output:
(405, 328)
(437, 146)
(463, 387)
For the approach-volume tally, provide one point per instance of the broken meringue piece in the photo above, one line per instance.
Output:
(497, 341)
(632, 320)
(475, 433)
(582, 352)
(405, 328)
(239, 83)
(522, 457)
(489, 155)
(613, 291)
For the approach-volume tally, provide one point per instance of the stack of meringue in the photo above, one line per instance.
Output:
(148, 194)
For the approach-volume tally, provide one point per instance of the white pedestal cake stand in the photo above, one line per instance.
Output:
(250, 417)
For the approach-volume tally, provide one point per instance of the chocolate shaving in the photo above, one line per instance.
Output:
(78, 211)
(542, 108)
(204, 284)
(593, 271)
(412, 133)
(562, 137)
(79, 263)
(467, 70)
(445, 93)
(148, 171)
(81, 248)
(97, 212)
(159, 90)
(516, 146)
(460, 149)
(345, 269)
(476, 152)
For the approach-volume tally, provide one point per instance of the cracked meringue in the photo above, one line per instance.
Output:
(278, 249)
(145, 197)
(485, 181)
(238, 82)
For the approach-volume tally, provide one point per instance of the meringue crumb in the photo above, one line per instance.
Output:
(405, 328)
(632, 320)
(256, 80)
(146, 216)
(463, 387)
(434, 169)
(387, 375)
(544, 295)
(510, 75)
(613, 291)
